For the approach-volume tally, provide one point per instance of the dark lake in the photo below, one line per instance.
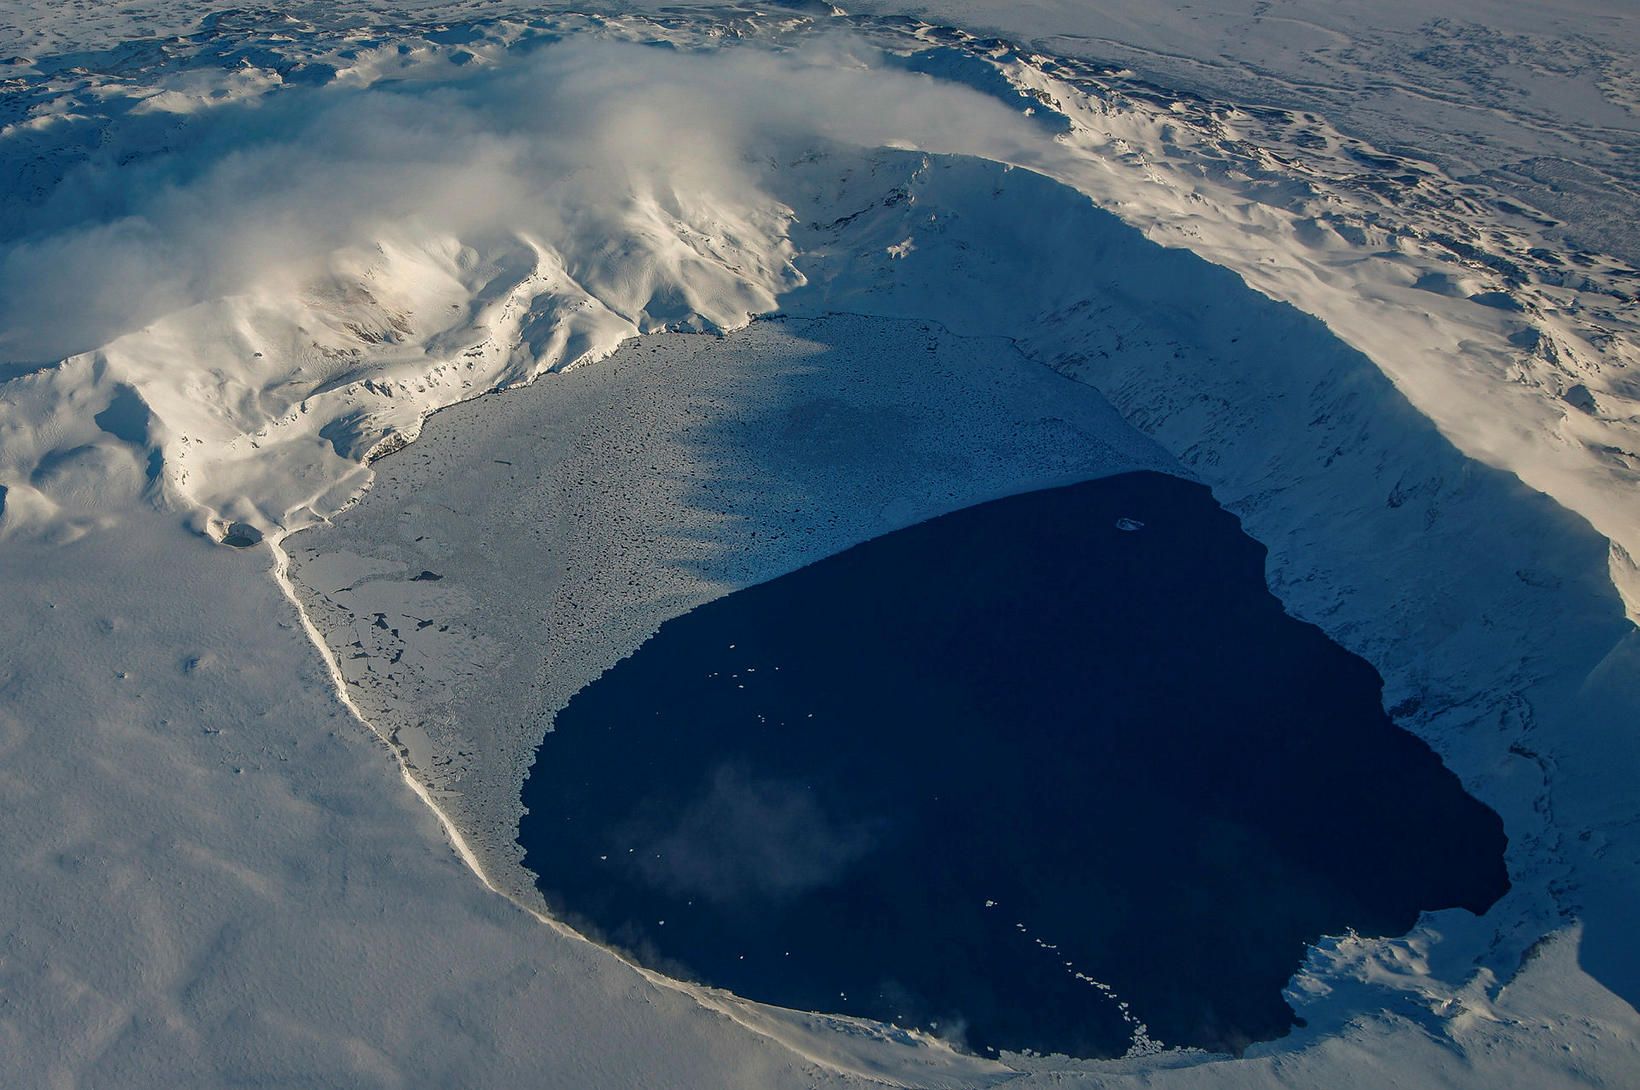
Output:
(955, 776)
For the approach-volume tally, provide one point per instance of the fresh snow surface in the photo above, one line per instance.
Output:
(1387, 314)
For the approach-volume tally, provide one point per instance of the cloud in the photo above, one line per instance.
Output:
(747, 838)
(582, 145)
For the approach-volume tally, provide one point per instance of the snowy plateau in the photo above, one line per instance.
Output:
(286, 291)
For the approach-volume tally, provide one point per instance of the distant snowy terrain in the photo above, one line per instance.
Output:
(1375, 286)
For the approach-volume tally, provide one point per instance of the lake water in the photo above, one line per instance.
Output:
(988, 774)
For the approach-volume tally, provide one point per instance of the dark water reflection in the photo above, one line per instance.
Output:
(953, 777)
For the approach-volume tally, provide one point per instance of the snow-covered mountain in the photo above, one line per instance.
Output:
(239, 264)
(345, 235)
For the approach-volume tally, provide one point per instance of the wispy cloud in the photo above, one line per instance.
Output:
(563, 145)
(749, 838)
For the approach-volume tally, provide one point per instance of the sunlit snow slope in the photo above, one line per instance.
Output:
(308, 244)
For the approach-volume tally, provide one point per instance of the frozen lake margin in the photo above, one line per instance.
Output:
(566, 520)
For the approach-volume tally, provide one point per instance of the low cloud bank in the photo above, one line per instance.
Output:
(559, 145)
